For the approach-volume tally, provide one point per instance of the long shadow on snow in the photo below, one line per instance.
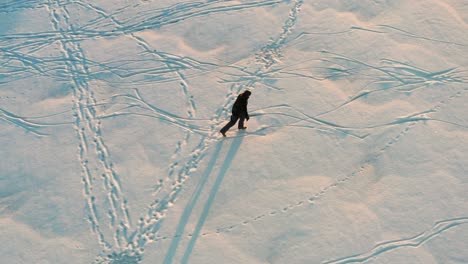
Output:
(209, 202)
(191, 204)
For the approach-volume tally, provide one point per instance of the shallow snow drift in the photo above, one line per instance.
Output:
(355, 151)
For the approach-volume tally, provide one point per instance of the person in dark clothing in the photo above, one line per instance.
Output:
(239, 112)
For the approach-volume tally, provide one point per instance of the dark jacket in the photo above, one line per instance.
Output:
(240, 106)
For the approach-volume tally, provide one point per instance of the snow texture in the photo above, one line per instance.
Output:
(355, 152)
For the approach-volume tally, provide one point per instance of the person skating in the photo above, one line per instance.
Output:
(239, 112)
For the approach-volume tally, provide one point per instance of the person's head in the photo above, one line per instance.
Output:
(247, 93)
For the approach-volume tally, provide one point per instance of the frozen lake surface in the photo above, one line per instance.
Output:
(355, 152)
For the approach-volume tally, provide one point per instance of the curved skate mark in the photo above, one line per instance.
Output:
(51, 66)
(103, 16)
(437, 229)
(173, 63)
(148, 21)
(160, 113)
(417, 75)
(163, 17)
(145, 15)
(365, 29)
(166, 17)
(155, 75)
(27, 125)
(403, 77)
(318, 124)
(16, 5)
(345, 58)
(301, 37)
(102, 12)
(294, 41)
(387, 29)
(418, 117)
(403, 74)
(31, 65)
(335, 70)
(412, 35)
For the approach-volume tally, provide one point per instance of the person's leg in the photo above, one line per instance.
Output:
(241, 122)
(229, 125)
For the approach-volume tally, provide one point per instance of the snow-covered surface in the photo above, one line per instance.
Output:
(356, 150)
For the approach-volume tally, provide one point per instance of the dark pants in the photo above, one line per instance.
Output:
(233, 121)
